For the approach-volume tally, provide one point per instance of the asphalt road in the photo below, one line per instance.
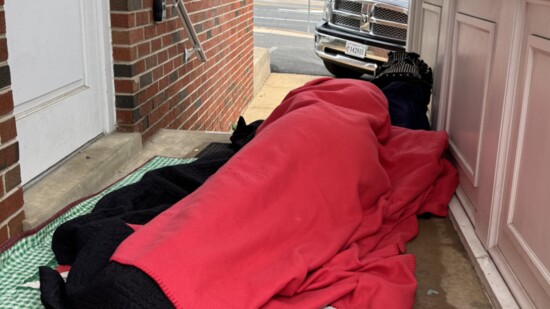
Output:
(282, 27)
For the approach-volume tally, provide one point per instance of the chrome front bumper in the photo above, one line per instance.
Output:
(333, 49)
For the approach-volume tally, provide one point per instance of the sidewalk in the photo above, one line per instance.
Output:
(272, 93)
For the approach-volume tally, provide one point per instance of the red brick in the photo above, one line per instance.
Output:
(2, 190)
(11, 204)
(6, 103)
(162, 28)
(139, 67)
(146, 108)
(142, 18)
(136, 35)
(9, 155)
(15, 225)
(3, 229)
(7, 130)
(149, 32)
(162, 56)
(127, 37)
(12, 178)
(124, 53)
(122, 20)
(121, 37)
(127, 116)
(166, 40)
(2, 22)
(126, 86)
(164, 82)
(3, 50)
(172, 52)
(151, 62)
(144, 49)
(155, 116)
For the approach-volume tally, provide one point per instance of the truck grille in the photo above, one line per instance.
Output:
(368, 17)
(389, 32)
(348, 6)
(347, 22)
(387, 14)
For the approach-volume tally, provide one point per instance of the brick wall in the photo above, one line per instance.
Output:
(11, 194)
(154, 87)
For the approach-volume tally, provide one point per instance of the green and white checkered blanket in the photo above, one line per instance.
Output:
(19, 264)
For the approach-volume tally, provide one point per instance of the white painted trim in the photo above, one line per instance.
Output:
(415, 19)
(434, 9)
(466, 204)
(107, 80)
(506, 125)
(448, 14)
(84, 25)
(492, 280)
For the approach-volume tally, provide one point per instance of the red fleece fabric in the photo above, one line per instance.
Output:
(314, 211)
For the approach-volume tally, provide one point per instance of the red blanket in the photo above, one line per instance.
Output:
(315, 210)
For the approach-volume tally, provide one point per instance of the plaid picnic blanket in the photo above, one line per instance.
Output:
(19, 264)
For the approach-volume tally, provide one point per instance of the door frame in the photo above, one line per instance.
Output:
(107, 80)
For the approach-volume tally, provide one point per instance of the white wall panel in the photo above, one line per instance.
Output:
(471, 64)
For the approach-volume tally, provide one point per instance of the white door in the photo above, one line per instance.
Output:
(59, 78)
(473, 45)
(523, 240)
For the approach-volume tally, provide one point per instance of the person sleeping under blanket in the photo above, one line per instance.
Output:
(314, 210)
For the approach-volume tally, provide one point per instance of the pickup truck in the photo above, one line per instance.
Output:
(355, 36)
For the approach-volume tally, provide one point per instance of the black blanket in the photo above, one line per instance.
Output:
(87, 242)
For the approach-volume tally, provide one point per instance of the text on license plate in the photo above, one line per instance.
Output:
(356, 49)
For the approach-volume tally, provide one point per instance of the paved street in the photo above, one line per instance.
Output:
(282, 27)
(288, 15)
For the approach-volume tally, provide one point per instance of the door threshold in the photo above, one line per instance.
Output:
(496, 288)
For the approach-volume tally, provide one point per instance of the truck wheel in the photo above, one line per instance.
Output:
(341, 71)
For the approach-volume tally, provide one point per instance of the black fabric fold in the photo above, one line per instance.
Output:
(87, 242)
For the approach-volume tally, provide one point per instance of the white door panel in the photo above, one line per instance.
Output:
(471, 64)
(524, 229)
(45, 46)
(430, 28)
(55, 61)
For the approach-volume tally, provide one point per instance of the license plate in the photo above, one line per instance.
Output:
(356, 49)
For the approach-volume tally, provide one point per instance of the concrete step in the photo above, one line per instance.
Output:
(262, 67)
(102, 163)
(85, 173)
(170, 143)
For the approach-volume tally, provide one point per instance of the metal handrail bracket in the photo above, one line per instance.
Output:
(190, 30)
